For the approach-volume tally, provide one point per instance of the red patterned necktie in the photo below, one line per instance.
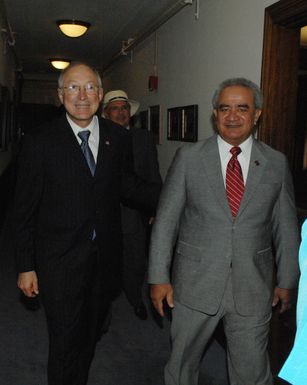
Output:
(234, 182)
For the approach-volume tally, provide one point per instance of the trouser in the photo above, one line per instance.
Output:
(134, 265)
(246, 336)
(76, 305)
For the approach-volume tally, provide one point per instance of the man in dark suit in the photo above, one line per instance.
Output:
(135, 223)
(228, 208)
(73, 173)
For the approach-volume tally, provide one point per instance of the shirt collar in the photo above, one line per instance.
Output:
(225, 146)
(91, 127)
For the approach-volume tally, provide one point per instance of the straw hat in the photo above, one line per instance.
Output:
(112, 96)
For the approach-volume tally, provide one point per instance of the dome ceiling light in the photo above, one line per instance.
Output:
(304, 36)
(59, 64)
(73, 28)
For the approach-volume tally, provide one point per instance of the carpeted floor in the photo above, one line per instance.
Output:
(133, 352)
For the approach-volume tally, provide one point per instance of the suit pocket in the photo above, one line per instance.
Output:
(263, 261)
(189, 251)
(264, 256)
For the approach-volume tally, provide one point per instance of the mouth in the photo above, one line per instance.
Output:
(233, 125)
(82, 106)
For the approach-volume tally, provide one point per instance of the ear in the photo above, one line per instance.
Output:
(214, 112)
(60, 95)
(100, 94)
(257, 115)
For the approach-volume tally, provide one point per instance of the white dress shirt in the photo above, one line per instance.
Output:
(93, 140)
(243, 157)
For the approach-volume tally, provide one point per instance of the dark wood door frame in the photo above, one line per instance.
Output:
(279, 77)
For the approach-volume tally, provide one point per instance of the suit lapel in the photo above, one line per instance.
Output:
(104, 148)
(256, 168)
(213, 170)
(71, 145)
(212, 167)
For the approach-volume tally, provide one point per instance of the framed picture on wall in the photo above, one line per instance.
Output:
(155, 123)
(173, 123)
(182, 123)
(144, 119)
(189, 123)
(4, 117)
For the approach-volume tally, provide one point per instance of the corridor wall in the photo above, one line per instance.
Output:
(193, 57)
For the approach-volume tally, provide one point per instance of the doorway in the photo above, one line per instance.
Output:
(283, 124)
(283, 127)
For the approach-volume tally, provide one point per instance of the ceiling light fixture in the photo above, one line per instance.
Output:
(73, 28)
(59, 64)
(304, 36)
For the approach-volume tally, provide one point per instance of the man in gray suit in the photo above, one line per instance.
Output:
(223, 265)
(119, 108)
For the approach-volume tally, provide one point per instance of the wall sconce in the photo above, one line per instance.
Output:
(59, 64)
(8, 38)
(304, 36)
(73, 28)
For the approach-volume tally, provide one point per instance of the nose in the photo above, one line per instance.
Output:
(232, 114)
(82, 93)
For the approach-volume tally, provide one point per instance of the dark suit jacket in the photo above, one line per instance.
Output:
(194, 215)
(146, 167)
(58, 203)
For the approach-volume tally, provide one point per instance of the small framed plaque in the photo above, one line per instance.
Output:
(182, 123)
(155, 124)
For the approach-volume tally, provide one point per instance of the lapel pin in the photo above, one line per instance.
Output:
(257, 163)
(107, 143)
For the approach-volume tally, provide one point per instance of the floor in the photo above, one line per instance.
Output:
(133, 352)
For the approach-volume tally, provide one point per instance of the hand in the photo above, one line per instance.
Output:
(159, 292)
(283, 297)
(151, 220)
(28, 283)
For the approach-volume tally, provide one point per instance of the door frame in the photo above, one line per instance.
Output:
(279, 75)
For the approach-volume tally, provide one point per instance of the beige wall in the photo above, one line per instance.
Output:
(194, 56)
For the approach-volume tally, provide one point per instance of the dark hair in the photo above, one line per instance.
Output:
(258, 97)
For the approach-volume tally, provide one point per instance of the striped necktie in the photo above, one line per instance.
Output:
(234, 182)
(84, 135)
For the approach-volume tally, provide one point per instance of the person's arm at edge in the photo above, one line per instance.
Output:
(286, 239)
(164, 235)
(28, 191)
(160, 292)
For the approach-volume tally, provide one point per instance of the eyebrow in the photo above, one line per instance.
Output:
(238, 106)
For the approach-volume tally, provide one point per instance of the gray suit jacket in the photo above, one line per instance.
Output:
(194, 218)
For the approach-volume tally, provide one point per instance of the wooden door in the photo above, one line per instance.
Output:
(279, 82)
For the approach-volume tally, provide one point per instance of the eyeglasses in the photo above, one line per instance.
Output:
(89, 89)
(125, 107)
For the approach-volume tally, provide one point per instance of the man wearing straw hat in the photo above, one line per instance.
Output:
(119, 108)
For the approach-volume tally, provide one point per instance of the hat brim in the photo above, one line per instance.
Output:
(134, 106)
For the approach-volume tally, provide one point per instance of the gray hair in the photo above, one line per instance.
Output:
(242, 82)
(75, 64)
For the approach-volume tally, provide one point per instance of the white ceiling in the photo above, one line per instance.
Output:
(37, 37)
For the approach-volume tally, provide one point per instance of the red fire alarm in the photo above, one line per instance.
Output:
(153, 83)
